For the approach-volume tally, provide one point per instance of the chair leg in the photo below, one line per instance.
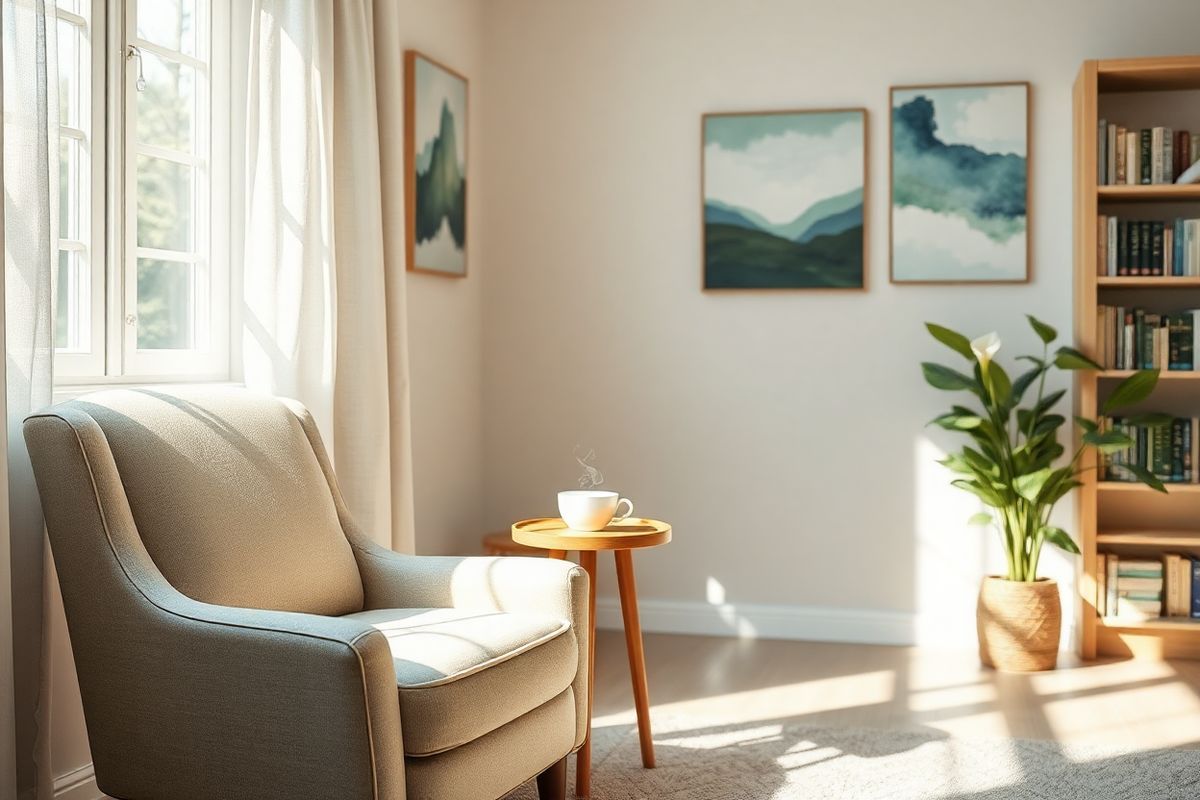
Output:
(552, 782)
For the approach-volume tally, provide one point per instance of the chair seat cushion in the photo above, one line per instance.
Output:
(463, 673)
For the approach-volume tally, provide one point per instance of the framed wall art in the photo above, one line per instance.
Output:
(782, 199)
(435, 158)
(959, 199)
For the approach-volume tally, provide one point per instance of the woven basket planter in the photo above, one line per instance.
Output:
(1018, 624)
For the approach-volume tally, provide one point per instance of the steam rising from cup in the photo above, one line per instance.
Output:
(591, 477)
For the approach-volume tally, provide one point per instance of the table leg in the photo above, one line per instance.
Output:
(559, 554)
(637, 656)
(583, 762)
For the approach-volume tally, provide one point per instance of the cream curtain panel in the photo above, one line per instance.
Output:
(323, 308)
(30, 88)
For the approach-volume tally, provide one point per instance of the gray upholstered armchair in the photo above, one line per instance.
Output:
(236, 636)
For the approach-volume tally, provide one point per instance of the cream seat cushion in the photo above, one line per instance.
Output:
(462, 673)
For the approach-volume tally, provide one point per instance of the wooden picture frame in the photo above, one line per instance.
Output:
(706, 211)
(1026, 274)
(435, 217)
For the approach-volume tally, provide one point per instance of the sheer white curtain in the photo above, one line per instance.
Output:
(30, 88)
(323, 304)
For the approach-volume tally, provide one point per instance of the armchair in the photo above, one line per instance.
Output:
(237, 636)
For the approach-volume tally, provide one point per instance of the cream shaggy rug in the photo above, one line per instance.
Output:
(780, 761)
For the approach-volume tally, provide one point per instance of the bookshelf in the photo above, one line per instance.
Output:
(1128, 518)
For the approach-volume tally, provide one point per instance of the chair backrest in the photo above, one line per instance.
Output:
(228, 497)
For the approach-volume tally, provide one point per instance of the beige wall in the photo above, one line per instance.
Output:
(782, 433)
(445, 315)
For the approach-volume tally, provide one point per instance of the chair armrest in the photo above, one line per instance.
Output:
(505, 583)
(279, 704)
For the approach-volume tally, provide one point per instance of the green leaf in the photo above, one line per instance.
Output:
(957, 422)
(1033, 360)
(1028, 486)
(1046, 333)
(1060, 539)
(1048, 423)
(986, 494)
(1152, 420)
(1108, 441)
(982, 518)
(1049, 401)
(1059, 491)
(1023, 382)
(952, 339)
(1087, 424)
(947, 379)
(1143, 475)
(956, 463)
(1134, 389)
(1070, 358)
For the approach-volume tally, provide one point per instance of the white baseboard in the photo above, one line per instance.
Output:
(78, 784)
(750, 621)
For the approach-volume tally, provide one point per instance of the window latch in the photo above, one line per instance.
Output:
(136, 52)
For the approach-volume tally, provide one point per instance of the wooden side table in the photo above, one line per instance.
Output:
(549, 533)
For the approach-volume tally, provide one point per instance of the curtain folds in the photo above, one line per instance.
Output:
(30, 89)
(323, 306)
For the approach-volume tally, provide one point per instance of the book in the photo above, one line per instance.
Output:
(1101, 142)
(1110, 600)
(1110, 154)
(1122, 152)
(1101, 584)
(1195, 589)
(1156, 154)
(1171, 595)
(1102, 245)
(1145, 161)
(1133, 150)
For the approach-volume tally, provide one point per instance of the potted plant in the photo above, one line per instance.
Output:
(1015, 465)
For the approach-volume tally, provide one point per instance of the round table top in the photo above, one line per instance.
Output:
(551, 533)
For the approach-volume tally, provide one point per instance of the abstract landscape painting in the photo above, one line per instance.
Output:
(436, 163)
(960, 174)
(783, 199)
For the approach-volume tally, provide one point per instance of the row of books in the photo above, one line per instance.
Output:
(1147, 247)
(1142, 588)
(1168, 451)
(1148, 155)
(1133, 338)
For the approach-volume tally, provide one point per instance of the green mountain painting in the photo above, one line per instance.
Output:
(438, 116)
(783, 200)
(960, 183)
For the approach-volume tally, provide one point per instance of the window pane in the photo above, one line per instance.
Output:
(164, 204)
(69, 74)
(166, 108)
(70, 189)
(165, 302)
(72, 314)
(168, 23)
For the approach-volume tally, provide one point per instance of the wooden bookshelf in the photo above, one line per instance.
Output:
(1139, 93)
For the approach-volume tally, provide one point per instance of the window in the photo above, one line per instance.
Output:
(142, 288)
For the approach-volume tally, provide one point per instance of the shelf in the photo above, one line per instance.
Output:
(1163, 375)
(1160, 624)
(1170, 73)
(1149, 191)
(1122, 486)
(1150, 538)
(1147, 281)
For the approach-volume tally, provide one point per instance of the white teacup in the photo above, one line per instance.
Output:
(591, 509)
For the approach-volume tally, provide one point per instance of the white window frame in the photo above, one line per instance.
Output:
(91, 240)
(116, 358)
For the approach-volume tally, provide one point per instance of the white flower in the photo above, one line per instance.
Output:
(984, 348)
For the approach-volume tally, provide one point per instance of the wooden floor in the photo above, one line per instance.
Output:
(1128, 704)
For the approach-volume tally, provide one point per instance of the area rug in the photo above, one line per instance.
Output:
(783, 761)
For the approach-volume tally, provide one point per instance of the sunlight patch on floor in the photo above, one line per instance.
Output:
(778, 702)
(1133, 719)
